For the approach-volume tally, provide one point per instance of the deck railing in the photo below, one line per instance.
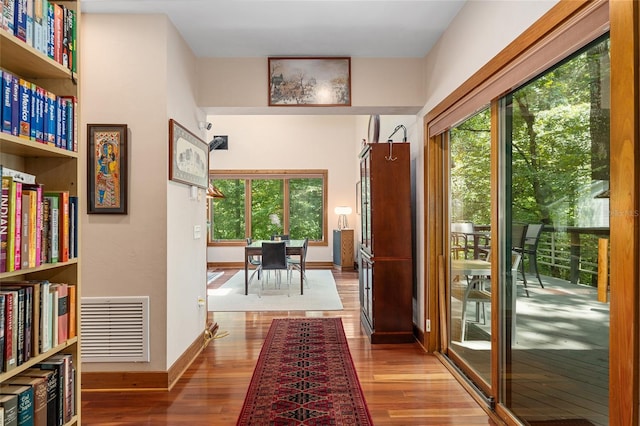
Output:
(570, 253)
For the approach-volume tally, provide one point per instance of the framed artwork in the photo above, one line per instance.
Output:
(188, 157)
(107, 165)
(309, 81)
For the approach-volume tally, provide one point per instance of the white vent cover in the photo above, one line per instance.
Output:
(115, 329)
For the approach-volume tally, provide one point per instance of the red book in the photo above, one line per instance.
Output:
(63, 313)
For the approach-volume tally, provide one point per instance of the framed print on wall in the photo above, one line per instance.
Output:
(309, 81)
(107, 166)
(188, 157)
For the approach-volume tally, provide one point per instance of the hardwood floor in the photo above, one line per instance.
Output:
(402, 384)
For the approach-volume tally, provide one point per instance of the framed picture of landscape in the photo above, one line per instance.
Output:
(188, 157)
(309, 81)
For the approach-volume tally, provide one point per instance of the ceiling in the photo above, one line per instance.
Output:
(262, 28)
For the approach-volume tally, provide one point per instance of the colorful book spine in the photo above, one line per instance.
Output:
(10, 330)
(20, 20)
(29, 22)
(71, 122)
(25, 235)
(63, 223)
(7, 79)
(11, 243)
(18, 227)
(63, 313)
(73, 226)
(35, 223)
(51, 30)
(51, 119)
(25, 109)
(15, 106)
(72, 311)
(38, 118)
(54, 228)
(4, 222)
(8, 16)
(57, 32)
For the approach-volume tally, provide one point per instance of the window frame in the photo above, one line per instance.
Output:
(249, 175)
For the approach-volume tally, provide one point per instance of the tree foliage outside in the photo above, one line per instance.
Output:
(558, 142)
(304, 196)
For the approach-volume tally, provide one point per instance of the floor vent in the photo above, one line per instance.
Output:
(115, 329)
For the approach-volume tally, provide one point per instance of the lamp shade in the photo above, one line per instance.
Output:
(343, 210)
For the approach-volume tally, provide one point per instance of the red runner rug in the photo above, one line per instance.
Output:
(305, 376)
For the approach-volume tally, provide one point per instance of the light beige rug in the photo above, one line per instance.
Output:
(320, 294)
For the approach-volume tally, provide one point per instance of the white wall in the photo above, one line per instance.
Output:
(135, 71)
(258, 142)
(479, 32)
(186, 255)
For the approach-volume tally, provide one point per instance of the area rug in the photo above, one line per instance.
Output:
(305, 376)
(320, 294)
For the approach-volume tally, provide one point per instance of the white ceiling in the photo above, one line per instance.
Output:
(262, 28)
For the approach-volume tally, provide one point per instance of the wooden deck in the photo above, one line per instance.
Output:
(560, 360)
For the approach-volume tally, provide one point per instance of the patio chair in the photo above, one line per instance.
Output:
(478, 291)
(461, 239)
(530, 248)
(518, 234)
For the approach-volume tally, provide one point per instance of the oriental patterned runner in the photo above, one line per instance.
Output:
(305, 376)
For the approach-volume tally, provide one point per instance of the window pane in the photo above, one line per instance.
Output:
(305, 209)
(470, 217)
(267, 208)
(557, 168)
(227, 214)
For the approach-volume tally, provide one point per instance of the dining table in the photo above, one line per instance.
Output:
(293, 248)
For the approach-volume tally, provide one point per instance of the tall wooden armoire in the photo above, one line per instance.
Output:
(385, 257)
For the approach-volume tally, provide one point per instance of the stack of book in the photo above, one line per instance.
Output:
(48, 27)
(37, 225)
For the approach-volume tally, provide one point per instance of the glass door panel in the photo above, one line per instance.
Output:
(469, 245)
(555, 345)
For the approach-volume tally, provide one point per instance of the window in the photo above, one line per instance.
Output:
(264, 203)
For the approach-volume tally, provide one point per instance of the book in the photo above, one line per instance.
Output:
(19, 316)
(35, 222)
(35, 308)
(10, 330)
(7, 79)
(63, 223)
(53, 324)
(63, 312)
(4, 222)
(8, 16)
(25, 237)
(20, 20)
(39, 386)
(2, 325)
(68, 390)
(25, 402)
(18, 175)
(51, 379)
(53, 228)
(57, 32)
(71, 103)
(24, 128)
(73, 226)
(11, 237)
(72, 310)
(10, 405)
(46, 224)
(15, 106)
(25, 319)
(18, 227)
(55, 416)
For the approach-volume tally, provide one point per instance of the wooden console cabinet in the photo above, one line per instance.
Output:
(385, 257)
(343, 249)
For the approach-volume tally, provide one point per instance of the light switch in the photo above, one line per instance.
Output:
(196, 232)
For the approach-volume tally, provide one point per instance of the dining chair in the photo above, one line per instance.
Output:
(530, 248)
(255, 261)
(461, 239)
(299, 262)
(274, 258)
(518, 234)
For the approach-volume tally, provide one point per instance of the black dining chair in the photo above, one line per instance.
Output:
(274, 258)
(254, 261)
(530, 248)
(299, 262)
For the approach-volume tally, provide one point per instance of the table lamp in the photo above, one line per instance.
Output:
(342, 212)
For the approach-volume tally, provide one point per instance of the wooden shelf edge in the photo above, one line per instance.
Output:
(33, 361)
(10, 144)
(43, 267)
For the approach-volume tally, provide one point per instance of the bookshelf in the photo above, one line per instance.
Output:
(56, 167)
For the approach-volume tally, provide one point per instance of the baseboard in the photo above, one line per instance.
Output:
(240, 265)
(143, 380)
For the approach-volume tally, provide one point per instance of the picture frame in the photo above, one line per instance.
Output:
(107, 168)
(301, 81)
(188, 157)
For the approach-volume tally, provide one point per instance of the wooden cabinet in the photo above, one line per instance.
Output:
(55, 166)
(385, 257)
(343, 249)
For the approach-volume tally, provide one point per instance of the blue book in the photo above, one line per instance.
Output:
(20, 20)
(37, 124)
(6, 101)
(51, 118)
(62, 121)
(25, 109)
(15, 106)
(50, 30)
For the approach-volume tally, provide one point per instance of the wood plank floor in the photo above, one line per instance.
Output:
(402, 384)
